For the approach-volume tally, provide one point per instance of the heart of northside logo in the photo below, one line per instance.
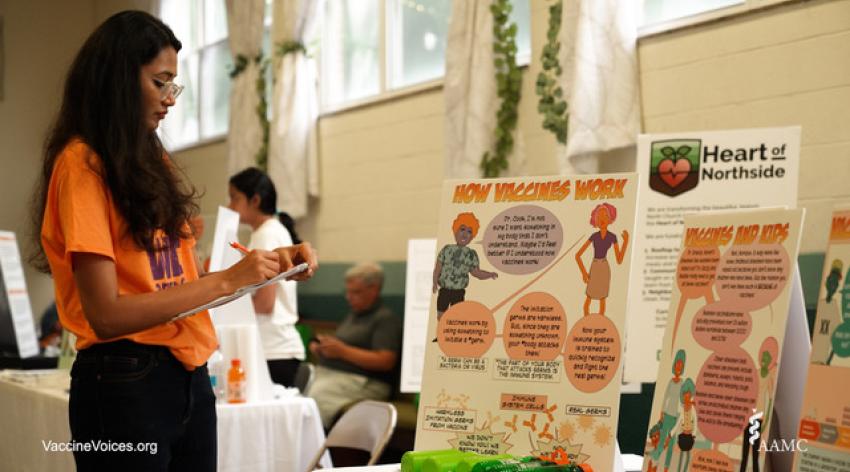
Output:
(674, 166)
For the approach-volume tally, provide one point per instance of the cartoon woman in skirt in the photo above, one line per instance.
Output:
(599, 278)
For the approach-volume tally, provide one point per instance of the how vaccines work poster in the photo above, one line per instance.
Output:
(525, 332)
(691, 172)
(730, 306)
(825, 416)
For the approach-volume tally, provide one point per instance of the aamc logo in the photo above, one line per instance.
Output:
(774, 445)
(674, 166)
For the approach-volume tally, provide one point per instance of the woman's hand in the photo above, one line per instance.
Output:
(257, 266)
(585, 276)
(291, 256)
(625, 237)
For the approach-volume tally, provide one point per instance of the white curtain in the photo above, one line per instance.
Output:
(245, 136)
(469, 91)
(600, 78)
(293, 163)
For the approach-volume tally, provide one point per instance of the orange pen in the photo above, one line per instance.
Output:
(235, 245)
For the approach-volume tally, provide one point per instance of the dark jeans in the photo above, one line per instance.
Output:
(282, 371)
(128, 395)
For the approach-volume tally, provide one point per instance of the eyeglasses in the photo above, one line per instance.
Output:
(168, 89)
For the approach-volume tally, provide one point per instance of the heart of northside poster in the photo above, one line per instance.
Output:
(525, 332)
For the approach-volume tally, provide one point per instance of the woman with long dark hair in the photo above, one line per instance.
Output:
(112, 213)
(253, 195)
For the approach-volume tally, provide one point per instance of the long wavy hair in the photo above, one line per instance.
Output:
(102, 106)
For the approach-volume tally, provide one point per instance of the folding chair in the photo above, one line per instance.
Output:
(304, 376)
(366, 426)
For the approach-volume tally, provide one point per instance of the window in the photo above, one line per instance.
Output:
(202, 109)
(659, 11)
(372, 48)
(663, 15)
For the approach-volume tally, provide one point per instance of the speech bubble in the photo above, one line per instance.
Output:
(466, 329)
(535, 328)
(841, 340)
(696, 270)
(727, 388)
(523, 239)
(593, 351)
(720, 324)
(752, 276)
(708, 460)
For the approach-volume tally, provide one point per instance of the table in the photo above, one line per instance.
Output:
(276, 435)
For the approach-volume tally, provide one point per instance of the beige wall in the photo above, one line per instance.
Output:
(785, 66)
(41, 39)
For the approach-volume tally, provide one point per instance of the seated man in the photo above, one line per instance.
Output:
(357, 363)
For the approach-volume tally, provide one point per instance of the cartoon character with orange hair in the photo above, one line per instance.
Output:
(455, 263)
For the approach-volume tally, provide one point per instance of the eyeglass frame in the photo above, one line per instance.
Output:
(168, 88)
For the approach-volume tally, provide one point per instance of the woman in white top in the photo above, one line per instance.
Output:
(253, 196)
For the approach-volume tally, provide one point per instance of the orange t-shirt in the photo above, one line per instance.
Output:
(80, 216)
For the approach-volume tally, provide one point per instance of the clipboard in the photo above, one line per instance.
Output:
(248, 289)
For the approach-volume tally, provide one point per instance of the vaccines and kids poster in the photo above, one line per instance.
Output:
(825, 416)
(719, 366)
(525, 333)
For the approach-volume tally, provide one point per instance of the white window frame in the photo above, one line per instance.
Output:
(748, 6)
(200, 51)
(384, 93)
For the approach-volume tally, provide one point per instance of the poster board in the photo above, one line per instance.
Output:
(824, 428)
(15, 302)
(241, 310)
(723, 361)
(695, 172)
(417, 301)
(520, 359)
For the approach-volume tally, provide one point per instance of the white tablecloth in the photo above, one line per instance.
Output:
(277, 435)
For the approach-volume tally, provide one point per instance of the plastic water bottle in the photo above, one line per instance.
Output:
(215, 366)
(236, 383)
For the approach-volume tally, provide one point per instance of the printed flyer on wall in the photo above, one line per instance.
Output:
(525, 331)
(720, 359)
(15, 306)
(825, 417)
(417, 301)
(686, 173)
